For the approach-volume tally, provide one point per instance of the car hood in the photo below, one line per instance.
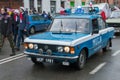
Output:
(113, 20)
(55, 38)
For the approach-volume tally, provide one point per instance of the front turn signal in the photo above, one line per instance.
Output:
(72, 50)
(25, 45)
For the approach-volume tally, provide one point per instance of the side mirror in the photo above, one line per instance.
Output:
(95, 32)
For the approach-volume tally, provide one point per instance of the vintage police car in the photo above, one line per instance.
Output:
(71, 40)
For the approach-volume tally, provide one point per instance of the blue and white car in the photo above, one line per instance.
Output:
(71, 39)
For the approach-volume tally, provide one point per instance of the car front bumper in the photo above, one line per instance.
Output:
(50, 56)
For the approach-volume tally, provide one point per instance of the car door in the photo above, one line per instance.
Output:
(35, 21)
(41, 23)
(46, 23)
(103, 31)
(97, 38)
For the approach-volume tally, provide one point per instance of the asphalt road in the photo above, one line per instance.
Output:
(101, 66)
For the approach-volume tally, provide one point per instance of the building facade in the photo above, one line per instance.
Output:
(110, 2)
(52, 6)
(11, 3)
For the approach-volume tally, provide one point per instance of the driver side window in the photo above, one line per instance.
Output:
(95, 25)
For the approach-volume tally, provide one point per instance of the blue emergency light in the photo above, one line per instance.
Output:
(82, 10)
(87, 10)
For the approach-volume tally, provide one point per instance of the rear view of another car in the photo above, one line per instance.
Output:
(37, 23)
(114, 21)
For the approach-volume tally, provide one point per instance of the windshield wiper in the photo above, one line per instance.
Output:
(75, 27)
(60, 30)
(61, 27)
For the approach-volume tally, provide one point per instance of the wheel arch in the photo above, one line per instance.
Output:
(32, 26)
(86, 50)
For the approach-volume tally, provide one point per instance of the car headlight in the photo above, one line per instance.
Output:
(31, 46)
(60, 49)
(49, 51)
(67, 49)
(40, 51)
(35, 46)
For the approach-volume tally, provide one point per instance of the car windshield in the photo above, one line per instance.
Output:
(37, 18)
(70, 25)
(115, 14)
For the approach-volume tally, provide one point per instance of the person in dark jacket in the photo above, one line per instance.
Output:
(44, 14)
(6, 30)
(16, 24)
(22, 29)
(49, 16)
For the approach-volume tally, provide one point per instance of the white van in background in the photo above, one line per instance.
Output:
(102, 7)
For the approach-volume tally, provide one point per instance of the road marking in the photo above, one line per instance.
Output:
(98, 68)
(9, 59)
(116, 53)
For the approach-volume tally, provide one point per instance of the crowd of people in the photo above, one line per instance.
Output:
(13, 26)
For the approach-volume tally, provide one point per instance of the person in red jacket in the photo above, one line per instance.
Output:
(16, 23)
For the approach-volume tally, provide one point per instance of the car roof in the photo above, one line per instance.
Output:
(87, 16)
(115, 11)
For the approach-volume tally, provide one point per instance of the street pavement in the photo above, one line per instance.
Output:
(101, 66)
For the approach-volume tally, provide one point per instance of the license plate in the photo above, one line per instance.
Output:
(47, 60)
(40, 59)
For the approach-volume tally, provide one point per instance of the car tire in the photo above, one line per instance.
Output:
(107, 47)
(32, 30)
(81, 60)
(34, 60)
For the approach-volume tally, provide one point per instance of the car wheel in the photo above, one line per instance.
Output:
(34, 60)
(32, 30)
(107, 47)
(81, 60)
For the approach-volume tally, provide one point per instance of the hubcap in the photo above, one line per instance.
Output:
(32, 30)
(82, 59)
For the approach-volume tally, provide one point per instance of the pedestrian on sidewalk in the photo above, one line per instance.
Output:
(6, 30)
(22, 29)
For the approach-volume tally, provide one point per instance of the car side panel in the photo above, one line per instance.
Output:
(93, 44)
